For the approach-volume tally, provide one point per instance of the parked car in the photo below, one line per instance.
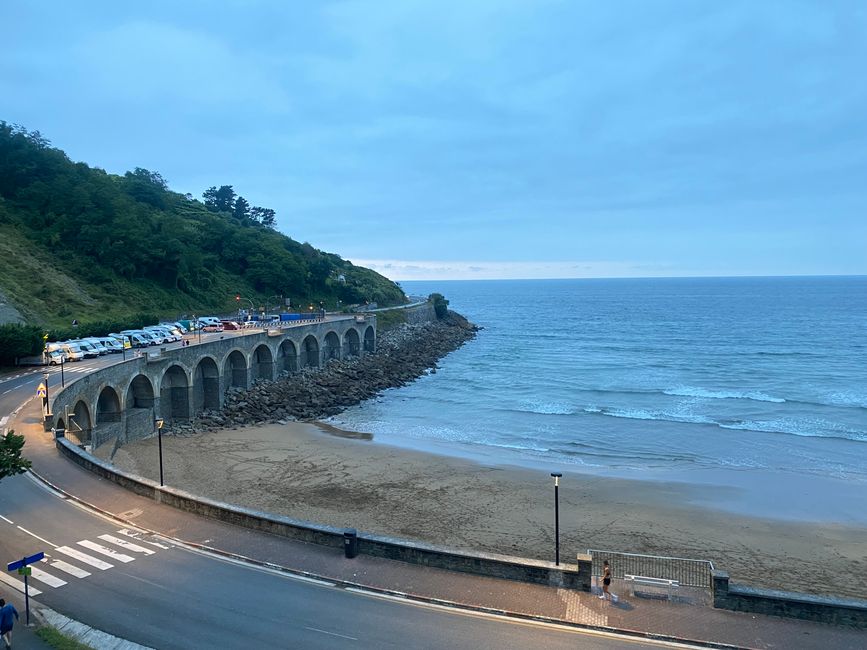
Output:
(73, 352)
(89, 351)
(230, 325)
(132, 340)
(208, 320)
(55, 357)
(111, 344)
(96, 344)
(213, 328)
(149, 337)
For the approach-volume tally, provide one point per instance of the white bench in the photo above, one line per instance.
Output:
(669, 585)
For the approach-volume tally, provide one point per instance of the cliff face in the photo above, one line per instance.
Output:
(403, 354)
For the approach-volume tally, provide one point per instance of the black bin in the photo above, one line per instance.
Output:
(350, 542)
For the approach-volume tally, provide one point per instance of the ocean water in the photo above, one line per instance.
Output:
(758, 384)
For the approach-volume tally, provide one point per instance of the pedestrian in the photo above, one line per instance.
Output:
(6, 622)
(606, 580)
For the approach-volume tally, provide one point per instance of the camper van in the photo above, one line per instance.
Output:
(72, 351)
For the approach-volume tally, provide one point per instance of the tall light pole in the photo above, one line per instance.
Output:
(557, 476)
(62, 357)
(158, 424)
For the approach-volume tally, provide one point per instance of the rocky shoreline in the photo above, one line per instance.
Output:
(403, 354)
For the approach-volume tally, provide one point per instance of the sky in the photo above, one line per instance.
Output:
(484, 139)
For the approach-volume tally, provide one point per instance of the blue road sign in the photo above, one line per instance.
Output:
(27, 560)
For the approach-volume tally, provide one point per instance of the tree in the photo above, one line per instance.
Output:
(266, 216)
(241, 209)
(220, 200)
(11, 462)
(441, 305)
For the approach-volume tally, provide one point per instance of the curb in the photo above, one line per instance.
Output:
(345, 584)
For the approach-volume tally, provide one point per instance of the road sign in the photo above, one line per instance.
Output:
(40, 390)
(25, 571)
(24, 562)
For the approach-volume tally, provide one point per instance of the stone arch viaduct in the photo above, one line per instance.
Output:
(121, 401)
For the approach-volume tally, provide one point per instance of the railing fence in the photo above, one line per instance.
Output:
(688, 572)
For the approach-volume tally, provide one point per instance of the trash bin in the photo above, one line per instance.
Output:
(350, 542)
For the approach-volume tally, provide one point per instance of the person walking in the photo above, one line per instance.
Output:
(606, 580)
(6, 622)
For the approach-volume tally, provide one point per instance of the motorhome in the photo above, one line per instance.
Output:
(73, 352)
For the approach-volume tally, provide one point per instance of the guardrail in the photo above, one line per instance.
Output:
(688, 572)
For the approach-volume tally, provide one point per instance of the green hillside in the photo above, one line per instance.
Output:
(77, 242)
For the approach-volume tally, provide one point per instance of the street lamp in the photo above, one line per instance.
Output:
(158, 424)
(557, 476)
(45, 376)
(198, 326)
(62, 357)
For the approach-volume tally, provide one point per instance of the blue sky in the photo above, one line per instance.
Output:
(484, 139)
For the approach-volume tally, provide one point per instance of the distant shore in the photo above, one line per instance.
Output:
(318, 473)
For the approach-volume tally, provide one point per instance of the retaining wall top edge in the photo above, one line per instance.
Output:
(812, 599)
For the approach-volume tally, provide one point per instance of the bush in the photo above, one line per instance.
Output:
(19, 341)
(441, 305)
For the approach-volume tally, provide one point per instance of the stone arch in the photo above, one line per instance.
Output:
(80, 423)
(206, 385)
(235, 370)
(263, 362)
(175, 394)
(310, 352)
(331, 347)
(351, 343)
(289, 355)
(108, 406)
(369, 339)
(140, 394)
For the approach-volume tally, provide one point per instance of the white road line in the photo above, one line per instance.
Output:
(47, 578)
(342, 636)
(8, 521)
(135, 548)
(4, 419)
(93, 546)
(17, 584)
(37, 537)
(8, 391)
(71, 569)
(83, 557)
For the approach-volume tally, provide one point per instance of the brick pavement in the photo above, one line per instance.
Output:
(636, 615)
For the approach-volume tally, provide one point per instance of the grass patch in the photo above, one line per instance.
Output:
(386, 320)
(56, 639)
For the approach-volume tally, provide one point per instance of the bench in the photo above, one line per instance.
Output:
(646, 581)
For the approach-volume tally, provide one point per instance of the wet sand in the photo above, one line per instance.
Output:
(318, 473)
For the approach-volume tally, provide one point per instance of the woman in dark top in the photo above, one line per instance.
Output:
(606, 580)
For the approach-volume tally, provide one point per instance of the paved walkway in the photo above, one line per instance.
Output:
(641, 616)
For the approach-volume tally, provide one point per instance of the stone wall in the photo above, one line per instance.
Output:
(823, 609)
(569, 576)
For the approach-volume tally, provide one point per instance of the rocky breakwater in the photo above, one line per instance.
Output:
(403, 354)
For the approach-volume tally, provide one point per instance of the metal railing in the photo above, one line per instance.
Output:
(688, 572)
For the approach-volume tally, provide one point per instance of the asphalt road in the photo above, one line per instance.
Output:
(150, 590)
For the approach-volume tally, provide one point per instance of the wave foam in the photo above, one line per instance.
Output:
(689, 391)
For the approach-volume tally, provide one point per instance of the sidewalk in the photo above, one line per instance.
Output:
(640, 616)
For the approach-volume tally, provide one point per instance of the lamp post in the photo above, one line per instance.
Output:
(158, 424)
(556, 476)
(45, 376)
(62, 382)
(198, 326)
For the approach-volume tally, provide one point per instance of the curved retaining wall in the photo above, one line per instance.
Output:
(498, 566)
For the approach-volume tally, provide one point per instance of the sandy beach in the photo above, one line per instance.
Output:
(316, 473)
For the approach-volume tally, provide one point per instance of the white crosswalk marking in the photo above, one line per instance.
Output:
(18, 584)
(135, 548)
(71, 569)
(47, 578)
(83, 557)
(93, 546)
(135, 535)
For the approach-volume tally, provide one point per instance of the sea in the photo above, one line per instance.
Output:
(755, 387)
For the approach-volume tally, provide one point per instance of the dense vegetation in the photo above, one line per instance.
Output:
(77, 242)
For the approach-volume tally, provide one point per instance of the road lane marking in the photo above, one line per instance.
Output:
(135, 548)
(8, 521)
(41, 539)
(93, 546)
(83, 557)
(342, 636)
(47, 578)
(71, 569)
(137, 535)
(17, 584)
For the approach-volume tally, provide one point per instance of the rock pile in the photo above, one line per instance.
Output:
(403, 354)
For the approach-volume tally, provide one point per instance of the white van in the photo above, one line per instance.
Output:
(208, 320)
(142, 334)
(73, 352)
(89, 351)
(96, 344)
(111, 344)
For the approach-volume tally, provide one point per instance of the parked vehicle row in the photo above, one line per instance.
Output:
(92, 347)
